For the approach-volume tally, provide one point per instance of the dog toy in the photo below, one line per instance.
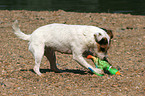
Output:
(103, 65)
(95, 72)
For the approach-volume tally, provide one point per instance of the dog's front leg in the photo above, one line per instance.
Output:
(79, 58)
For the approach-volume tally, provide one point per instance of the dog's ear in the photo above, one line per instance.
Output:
(109, 32)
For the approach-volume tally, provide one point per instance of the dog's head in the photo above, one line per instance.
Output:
(103, 41)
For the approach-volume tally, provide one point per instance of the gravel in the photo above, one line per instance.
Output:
(127, 54)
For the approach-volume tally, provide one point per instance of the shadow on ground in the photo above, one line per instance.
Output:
(81, 72)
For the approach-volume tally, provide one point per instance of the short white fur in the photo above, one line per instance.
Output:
(73, 39)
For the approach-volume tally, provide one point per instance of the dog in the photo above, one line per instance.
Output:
(72, 39)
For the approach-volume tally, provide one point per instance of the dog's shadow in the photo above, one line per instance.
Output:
(81, 72)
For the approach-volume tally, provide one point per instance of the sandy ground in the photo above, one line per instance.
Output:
(127, 53)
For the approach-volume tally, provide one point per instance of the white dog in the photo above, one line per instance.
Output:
(75, 39)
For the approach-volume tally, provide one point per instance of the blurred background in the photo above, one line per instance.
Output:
(135, 7)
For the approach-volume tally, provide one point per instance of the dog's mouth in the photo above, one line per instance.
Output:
(86, 53)
(105, 59)
(102, 57)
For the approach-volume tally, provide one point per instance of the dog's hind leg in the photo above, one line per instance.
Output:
(38, 52)
(50, 54)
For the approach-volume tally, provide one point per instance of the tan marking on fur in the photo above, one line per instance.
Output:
(103, 47)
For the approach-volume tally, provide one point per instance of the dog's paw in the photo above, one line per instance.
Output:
(99, 71)
(56, 70)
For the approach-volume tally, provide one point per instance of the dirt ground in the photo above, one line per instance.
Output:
(127, 53)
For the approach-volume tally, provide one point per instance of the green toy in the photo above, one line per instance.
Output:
(103, 65)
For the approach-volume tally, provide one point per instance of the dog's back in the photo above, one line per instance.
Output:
(62, 35)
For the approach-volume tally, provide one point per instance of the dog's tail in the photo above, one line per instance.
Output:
(19, 33)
